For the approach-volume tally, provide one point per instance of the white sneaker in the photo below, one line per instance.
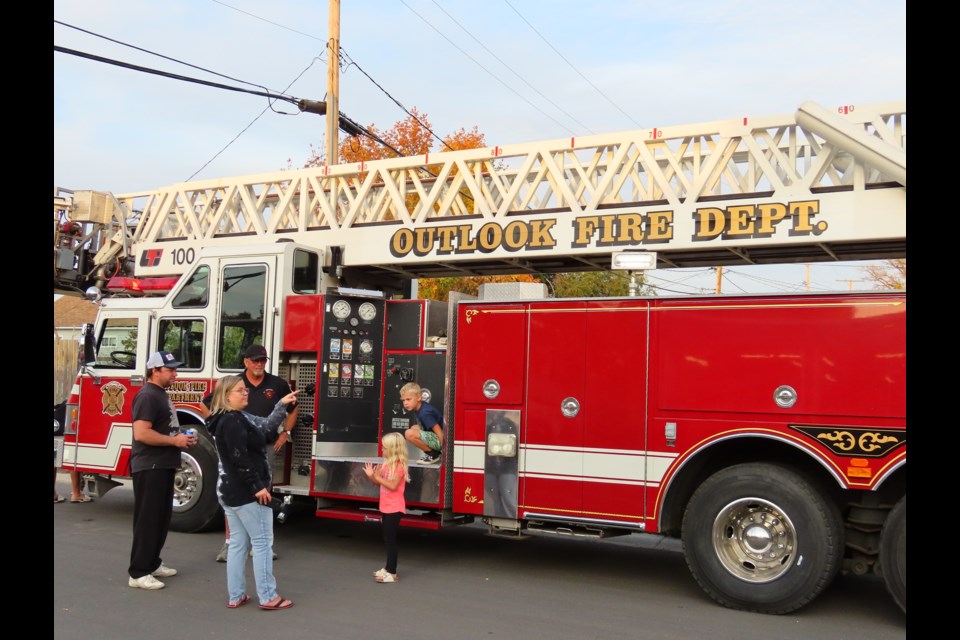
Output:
(145, 582)
(429, 457)
(164, 572)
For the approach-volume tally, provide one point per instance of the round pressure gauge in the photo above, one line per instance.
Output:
(341, 309)
(354, 322)
(367, 311)
(366, 346)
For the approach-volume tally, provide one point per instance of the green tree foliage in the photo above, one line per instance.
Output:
(594, 284)
(440, 288)
(586, 284)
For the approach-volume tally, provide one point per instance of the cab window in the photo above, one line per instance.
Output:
(195, 292)
(183, 337)
(117, 344)
(306, 271)
(241, 313)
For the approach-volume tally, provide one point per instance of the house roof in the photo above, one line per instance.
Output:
(71, 311)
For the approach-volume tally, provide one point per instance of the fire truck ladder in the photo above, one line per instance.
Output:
(811, 186)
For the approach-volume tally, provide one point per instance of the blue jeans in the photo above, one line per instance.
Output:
(250, 524)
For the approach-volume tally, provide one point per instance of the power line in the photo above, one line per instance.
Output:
(596, 88)
(276, 24)
(344, 123)
(159, 55)
(395, 101)
(260, 115)
(509, 68)
(353, 63)
(174, 76)
(490, 73)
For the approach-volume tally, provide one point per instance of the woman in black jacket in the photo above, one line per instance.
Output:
(243, 488)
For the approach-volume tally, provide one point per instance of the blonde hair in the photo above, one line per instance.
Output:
(218, 401)
(411, 387)
(394, 453)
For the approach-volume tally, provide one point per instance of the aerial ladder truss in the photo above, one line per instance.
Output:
(816, 185)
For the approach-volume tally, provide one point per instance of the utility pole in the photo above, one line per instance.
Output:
(806, 280)
(333, 83)
(719, 277)
(850, 282)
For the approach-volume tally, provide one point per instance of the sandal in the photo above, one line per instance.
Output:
(281, 603)
(82, 499)
(388, 578)
(58, 499)
(239, 603)
(379, 573)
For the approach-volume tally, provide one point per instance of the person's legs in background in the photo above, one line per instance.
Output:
(76, 490)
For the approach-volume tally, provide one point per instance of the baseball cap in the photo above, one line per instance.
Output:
(162, 359)
(256, 352)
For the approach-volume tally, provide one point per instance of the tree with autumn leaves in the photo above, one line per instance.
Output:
(411, 136)
(890, 274)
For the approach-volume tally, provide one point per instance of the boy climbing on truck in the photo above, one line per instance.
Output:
(427, 434)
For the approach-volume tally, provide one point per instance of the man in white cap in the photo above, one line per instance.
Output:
(154, 461)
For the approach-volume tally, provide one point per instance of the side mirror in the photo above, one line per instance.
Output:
(87, 353)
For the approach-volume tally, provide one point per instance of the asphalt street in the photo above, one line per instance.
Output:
(457, 583)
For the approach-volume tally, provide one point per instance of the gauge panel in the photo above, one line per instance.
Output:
(367, 311)
(351, 371)
(341, 309)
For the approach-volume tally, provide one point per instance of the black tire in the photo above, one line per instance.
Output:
(893, 553)
(195, 504)
(760, 537)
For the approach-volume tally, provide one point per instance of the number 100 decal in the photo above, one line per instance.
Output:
(183, 256)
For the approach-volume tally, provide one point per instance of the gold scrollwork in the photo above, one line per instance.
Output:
(468, 496)
(469, 315)
(855, 442)
(871, 441)
(842, 440)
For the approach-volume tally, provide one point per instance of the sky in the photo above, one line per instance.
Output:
(518, 70)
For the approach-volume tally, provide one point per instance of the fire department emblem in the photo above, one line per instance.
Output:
(268, 394)
(113, 398)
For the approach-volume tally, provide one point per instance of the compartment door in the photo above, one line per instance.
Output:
(553, 432)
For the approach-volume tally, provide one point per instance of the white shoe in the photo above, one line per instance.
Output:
(145, 582)
(429, 457)
(164, 572)
(388, 578)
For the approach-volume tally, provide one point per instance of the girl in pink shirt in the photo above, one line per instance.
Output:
(392, 476)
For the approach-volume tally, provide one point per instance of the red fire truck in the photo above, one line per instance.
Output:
(768, 432)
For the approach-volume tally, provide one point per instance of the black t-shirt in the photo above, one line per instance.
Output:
(260, 401)
(265, 396)
(152, 404)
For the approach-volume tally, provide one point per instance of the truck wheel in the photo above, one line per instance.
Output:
(760, 537)
(893, 553)
(195, 505)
